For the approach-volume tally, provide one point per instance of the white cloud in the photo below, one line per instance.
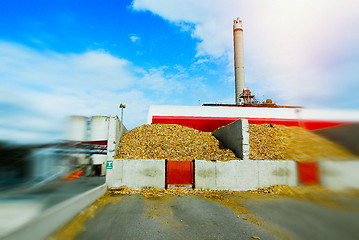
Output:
(93, 69)
(134, 38)
(161, 80)
(293, 49)
(40, 89)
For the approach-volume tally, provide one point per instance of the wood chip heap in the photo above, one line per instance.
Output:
(277, 142)
(171, 142)
(178, 192)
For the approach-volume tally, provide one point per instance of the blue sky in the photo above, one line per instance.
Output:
(61, 58)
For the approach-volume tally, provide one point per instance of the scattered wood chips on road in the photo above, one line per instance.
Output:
(179, 192)
(274, 190)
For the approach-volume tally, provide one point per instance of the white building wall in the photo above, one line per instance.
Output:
(252, 112)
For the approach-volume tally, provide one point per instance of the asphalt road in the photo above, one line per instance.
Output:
(307, 220)
(189, 217)
(236, 217)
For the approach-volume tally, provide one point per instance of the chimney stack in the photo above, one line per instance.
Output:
(238, 58)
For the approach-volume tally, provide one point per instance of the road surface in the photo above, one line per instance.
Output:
(236, 216)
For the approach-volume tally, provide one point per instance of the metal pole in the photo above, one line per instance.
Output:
(122, 106)
(121, 115)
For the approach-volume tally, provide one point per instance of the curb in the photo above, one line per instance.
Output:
(55, 217)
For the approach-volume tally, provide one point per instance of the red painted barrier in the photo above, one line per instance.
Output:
(308, 173)
(179, 173)
(209, 124)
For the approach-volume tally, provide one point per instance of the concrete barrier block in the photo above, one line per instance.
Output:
(293, 173)
(232, 175)
(339, 175)
(205, 174)
(227, 175)
(136, 174)
(115, 132)
(276, 172)
(140, 174)
(114, 175)
(245, 141)
(247, 175)
(235, 136)
(244, 175)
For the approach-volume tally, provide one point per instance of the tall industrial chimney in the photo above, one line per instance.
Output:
(238, 58)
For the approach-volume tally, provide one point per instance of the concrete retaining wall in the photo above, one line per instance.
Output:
(277, 172)
(244, 175)
(232, 175)
(339, 175)
(115, 131)
(235, 136)
(56, 217)
(136, 174)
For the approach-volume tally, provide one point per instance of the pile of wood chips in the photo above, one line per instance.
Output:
(277, 142)
(171, 142)
(267, 142)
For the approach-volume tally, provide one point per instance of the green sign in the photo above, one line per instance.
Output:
(109, 164)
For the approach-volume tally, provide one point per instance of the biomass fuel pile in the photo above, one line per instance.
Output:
(277, 142)
(171, 142)
(267, 142)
